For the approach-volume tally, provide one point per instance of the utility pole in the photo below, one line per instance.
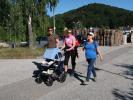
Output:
(54, 18)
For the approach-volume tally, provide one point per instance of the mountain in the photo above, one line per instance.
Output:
(95, 15)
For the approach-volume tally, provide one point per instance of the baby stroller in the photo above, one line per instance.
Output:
(52, 67)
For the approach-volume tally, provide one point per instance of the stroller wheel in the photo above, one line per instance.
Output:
(49, 81)
(62, 77)
(38, 80)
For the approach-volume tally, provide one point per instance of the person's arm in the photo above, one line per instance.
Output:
(99, 53)
(57, 42)
(83, 48)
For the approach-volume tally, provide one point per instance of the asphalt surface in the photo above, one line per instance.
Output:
(114, 79)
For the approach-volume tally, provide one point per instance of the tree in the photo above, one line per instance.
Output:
(24, 19)
(52, 4)
(4, 10)
(42, 18)
(15, 21)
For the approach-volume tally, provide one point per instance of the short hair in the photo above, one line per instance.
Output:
(50, 29)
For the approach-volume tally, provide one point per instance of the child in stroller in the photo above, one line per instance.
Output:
(52, 67)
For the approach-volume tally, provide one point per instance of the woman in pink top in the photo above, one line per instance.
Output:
(69, 45)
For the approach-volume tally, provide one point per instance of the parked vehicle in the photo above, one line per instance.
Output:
(42, 41)
(4, 45)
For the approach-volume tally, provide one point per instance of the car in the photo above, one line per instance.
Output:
(22, 44)
(42, 41)
(42, 38)
(4, 45)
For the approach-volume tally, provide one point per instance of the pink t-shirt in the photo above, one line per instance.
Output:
(69, 40)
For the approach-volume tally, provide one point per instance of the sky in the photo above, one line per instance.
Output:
(67, 5)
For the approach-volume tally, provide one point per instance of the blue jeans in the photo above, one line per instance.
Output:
(91, 68)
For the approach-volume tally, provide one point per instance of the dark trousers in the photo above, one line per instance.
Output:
(91, 67)
(73, 58)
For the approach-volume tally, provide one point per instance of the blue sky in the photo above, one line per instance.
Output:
(66, 5)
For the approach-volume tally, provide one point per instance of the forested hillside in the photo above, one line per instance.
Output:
(95, 15)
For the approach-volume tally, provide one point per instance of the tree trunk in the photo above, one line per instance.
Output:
(31, 44)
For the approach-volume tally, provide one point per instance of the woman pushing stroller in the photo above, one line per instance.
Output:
(69, 46)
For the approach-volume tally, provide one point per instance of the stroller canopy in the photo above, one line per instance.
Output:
(51, 53)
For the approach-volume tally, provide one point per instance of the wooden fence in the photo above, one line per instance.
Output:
(106, 37)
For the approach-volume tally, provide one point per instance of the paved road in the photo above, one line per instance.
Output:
(115, 79)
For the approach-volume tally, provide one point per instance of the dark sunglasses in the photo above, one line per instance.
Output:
(50, 30)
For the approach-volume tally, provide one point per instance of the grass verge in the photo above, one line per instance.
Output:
(20, 53)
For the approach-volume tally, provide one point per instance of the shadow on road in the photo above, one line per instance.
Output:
(118, 74)
(120, 94)
(123, 95)
(129, 68)
(78, 77)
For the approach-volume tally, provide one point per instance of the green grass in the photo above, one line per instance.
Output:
(20, 53)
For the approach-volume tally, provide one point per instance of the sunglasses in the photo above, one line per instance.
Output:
(50, 30)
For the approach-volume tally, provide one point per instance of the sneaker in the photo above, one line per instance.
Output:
(65, 73)
(72, 73)
(95, 79)
(87, 79)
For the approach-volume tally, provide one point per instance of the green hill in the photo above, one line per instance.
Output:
(95, 15)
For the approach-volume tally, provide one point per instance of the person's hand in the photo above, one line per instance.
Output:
(61, 48)
(82, 49)
(78, 56)
(67, 49)
(101, 58)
